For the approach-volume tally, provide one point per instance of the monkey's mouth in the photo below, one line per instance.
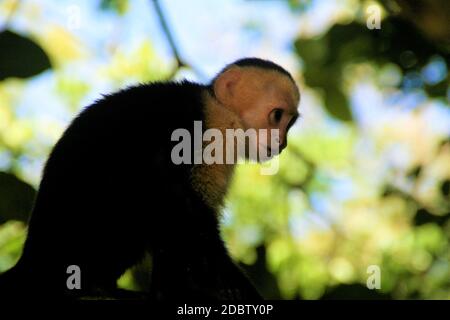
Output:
(270, 153)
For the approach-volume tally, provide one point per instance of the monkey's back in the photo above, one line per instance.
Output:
(110, 190)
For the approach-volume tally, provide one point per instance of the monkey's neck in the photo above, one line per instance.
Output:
(211, 181)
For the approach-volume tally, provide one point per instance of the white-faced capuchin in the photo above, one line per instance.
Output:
(111, 192)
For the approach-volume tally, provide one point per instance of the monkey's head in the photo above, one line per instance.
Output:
(264, 96)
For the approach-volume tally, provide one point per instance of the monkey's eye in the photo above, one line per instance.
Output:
(277, 114)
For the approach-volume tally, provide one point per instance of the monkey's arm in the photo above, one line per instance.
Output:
(204, 276)
(191, 261)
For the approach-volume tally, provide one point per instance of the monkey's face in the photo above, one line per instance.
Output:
(271, 109)
(266, 101)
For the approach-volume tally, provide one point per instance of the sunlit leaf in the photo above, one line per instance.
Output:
(337, 104)
(61, 45)
(12, 237)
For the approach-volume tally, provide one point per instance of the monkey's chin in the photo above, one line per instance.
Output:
(260, 154)
(269, 153)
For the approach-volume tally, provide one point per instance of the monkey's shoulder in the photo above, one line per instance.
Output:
(153, 99)
(152, 109)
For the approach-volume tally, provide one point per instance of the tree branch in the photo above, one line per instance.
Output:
(180, 63)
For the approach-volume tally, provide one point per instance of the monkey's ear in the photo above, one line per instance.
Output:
(226, 83)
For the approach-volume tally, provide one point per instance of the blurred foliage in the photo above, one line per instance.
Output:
(12, 237)
(319, 246)
(20, 56)
(119, 6)
(341, 201)
(16, 198)
(325, 58)
(299, 5)
(142, 64)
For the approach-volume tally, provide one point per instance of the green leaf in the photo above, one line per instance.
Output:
(16, 198)
(20, 57)
(337, 104)
(119, 6)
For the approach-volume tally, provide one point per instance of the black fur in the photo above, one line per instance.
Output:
(110, 193)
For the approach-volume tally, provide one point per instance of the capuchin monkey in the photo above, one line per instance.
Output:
(111, 192)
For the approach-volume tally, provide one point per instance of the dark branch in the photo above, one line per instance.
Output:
(180, 63)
